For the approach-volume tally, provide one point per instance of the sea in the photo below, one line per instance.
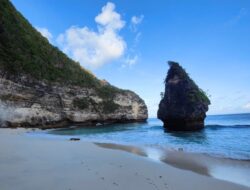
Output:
(225, 136)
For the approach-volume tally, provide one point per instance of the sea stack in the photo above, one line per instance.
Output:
(184, 105)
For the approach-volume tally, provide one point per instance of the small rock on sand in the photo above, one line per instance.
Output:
(74, 139)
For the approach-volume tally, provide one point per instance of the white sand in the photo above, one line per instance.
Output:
(31, 163)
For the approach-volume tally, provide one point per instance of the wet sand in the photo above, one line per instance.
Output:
(237, 171)
(28, 163)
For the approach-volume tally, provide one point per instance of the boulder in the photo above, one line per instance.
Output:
(184, 105)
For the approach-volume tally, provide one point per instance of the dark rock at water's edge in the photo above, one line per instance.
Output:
(184, 105)
(74, 139)
(41, 87)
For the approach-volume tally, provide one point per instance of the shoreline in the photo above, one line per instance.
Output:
(200, 163)
(33, 161)
(62, 123)
(169, 148)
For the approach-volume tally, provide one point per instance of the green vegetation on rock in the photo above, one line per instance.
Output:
(81, 103)
(109, 106)
(194, 93)
(24, 51)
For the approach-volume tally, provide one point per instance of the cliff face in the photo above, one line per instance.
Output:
(40, 86)
(184, 105)
(43, 105)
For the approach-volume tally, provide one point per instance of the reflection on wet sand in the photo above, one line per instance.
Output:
(236, 171)
(179, 160)
(130, 149)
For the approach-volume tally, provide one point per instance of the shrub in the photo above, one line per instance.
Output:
(81, 103)
(109, 106)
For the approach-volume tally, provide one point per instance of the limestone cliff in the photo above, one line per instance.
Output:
(184, 105)
(42, 105)
(41, 87)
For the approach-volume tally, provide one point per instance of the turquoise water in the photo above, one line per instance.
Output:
(224, 135)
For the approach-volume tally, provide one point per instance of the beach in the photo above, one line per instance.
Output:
(124, 96)
(42, 163)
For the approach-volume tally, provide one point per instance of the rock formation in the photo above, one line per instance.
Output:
(38, 104)
(184, 105)
(41, 87)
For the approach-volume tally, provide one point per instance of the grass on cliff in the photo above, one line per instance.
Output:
(24, 51)
(107, 106)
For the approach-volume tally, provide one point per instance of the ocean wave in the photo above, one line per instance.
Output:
(227, 126)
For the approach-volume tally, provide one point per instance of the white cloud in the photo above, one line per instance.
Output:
(45, 33)
(137, 38)
(131, 60)
(247, 106)
(135, 21)
(109, 18)
(132, 56)
(241, 14)
(95, 48)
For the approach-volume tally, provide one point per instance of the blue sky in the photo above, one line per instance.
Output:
(128, 43)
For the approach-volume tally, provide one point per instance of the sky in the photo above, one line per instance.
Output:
(128, 43)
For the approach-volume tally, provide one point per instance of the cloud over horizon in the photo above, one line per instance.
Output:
(96, 48)
(247, 106)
